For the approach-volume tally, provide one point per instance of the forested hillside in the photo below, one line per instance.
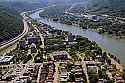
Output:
(23, 5)
(111, 7)
(114, 7)
(10, 23)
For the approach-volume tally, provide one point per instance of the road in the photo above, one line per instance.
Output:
(84, 68)
(118, 66)
(34, 55)
(39, 9)
(39, 73)
(12, 41)
(41, 37)
(56, 77)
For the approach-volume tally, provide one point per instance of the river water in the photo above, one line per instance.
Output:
(114, 46)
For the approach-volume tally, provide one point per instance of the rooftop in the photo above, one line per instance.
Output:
(5, 58)
(60, 53)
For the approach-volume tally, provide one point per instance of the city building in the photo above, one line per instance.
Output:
(4, 60)
(60, 55)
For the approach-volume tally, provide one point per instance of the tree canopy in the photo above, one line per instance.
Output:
(10, 23)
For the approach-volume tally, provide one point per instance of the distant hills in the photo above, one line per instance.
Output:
(10, 23)
(111, 7)
(114, 7)
(25, 5)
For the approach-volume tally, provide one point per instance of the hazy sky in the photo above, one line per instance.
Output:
(43, 0)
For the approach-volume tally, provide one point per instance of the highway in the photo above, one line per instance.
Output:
(12, 41)
(25, 31)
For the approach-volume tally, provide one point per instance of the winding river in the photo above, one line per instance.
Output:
(114, 46)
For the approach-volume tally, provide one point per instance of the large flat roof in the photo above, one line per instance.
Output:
(60, 53)
(5, 58)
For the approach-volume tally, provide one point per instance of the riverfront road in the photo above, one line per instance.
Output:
(12, 41)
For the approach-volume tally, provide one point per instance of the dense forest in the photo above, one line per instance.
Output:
(10, 23)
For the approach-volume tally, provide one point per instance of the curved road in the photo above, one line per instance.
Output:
(12, 41)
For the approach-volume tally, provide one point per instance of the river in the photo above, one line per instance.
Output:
(114, 46)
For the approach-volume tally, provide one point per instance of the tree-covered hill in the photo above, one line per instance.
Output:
(23, 5)
(10, 23)
(54, 11)
(114, 7)
(111, 7)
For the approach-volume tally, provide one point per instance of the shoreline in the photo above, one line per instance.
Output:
(99, 46)
(122, 37)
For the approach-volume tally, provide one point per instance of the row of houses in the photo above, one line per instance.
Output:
(23, 73)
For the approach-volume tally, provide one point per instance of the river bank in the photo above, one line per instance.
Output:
(115, 47)
(101, 31)
(85, 51)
